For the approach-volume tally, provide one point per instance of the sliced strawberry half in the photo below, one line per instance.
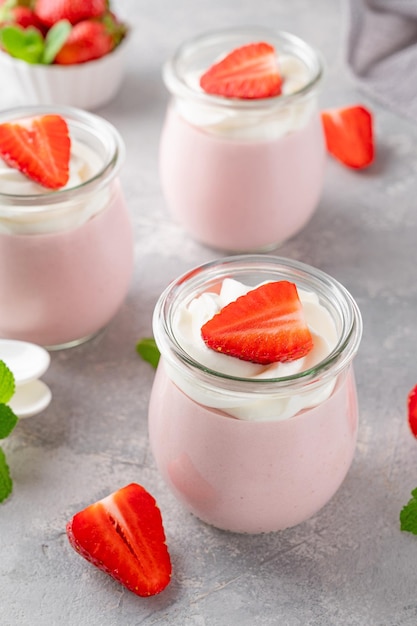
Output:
(412, 410)
(123, 535)
(40, 149)
(349, 135)
(250, 71)
(266, 325)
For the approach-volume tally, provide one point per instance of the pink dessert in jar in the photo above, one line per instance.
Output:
(66, 249)
(243, 173)
(254, 445)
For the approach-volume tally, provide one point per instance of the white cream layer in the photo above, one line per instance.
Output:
(262, 123)
(187, 326)
(42, 218)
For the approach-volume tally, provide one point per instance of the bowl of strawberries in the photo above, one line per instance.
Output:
(69, 52)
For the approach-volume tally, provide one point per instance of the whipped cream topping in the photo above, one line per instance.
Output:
(187, 324)
(84, 164)
(258, 123)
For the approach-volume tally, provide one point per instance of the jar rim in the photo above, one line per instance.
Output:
(300, 273)
(177, 85)
(77, 119)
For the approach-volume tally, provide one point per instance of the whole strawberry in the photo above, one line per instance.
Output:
(88, 40)
(13, 12)
(51, 11)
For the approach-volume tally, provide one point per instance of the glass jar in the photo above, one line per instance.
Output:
(242, 175)
(66, 256)
(254, 454)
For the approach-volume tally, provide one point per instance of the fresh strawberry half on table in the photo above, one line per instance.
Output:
(412, 410)
(349, 135)
(264, 326)
(250, 71)
(123, 535)
(40, 148)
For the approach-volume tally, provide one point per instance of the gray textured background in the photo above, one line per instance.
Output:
(349, 565)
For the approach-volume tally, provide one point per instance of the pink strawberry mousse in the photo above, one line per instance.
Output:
(252, 448)
(242, 175)
(66, 256)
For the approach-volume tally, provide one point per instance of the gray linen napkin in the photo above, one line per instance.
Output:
(382, 51)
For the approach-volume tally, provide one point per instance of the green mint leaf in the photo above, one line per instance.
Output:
(6, 484)
(55, 39)
(26, 44)
(8, 421)
(7, 383)
(148, 350)
(408, 515)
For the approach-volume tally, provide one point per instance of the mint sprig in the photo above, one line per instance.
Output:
(6, 483)
(408, 514)
(7, 384)
(8, 421)
(25, 44)
(55, 39)
(29, 44)
(148, 350)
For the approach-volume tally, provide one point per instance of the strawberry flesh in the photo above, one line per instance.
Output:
(39, 149)
(349, 135)
(264, 326)
(412, 410)
(123, 535)
(248, 72)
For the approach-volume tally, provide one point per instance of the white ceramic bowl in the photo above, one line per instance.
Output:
(85, 85)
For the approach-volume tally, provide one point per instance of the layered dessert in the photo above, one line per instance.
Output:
(191, 319)
(242, 166)
(253, 415)
(66, 249)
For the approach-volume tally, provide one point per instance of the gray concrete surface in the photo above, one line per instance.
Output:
(349, 565)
